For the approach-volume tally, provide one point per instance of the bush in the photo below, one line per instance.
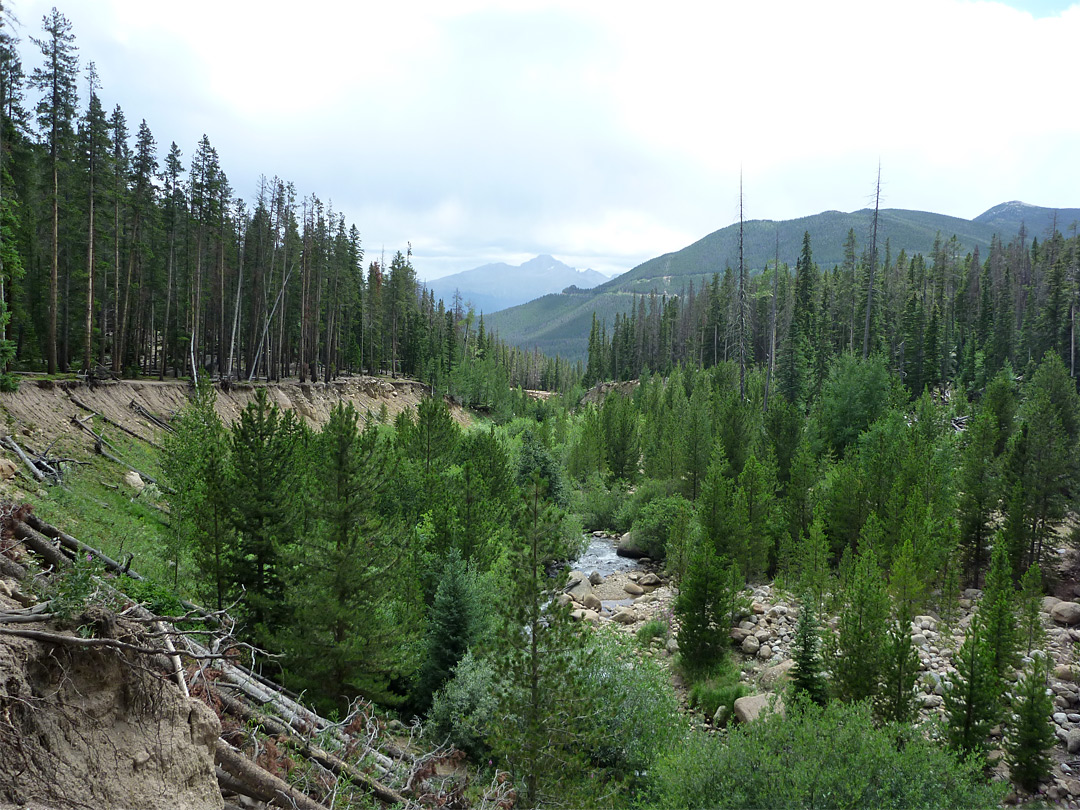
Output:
(463, 711)
(643, 494)
(635, 711)
(818, 757)
(597, 504)
(718, 686)
(654, 521)
(654, 628)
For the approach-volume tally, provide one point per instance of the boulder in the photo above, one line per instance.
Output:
(595, 578)
(748, 709)
(592, 602)
(625, 616)
(564, 600)
(764, 652)
(625, 547)
(1064, 672)
(1066, 613)
(650, 580)
(738, 634)
(751, 645)
(1048, 603)
(8, 468)
(720, 718)
(672, 646)
(1072, 740)
(581, 615)
(134, 480)
(578, 587)
(633, 589)
(775, 674)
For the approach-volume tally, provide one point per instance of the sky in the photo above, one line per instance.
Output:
(603, 132)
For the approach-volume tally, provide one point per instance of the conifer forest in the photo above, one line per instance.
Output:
(847, 492)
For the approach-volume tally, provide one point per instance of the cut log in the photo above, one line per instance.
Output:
(113, 422)
(40, 545)
(261, 781)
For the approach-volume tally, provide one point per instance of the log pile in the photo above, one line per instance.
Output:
(273, 751)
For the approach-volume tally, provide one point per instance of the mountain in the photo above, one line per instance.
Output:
(560, 323)
(498, 286)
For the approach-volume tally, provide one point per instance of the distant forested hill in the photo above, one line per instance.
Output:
(560, 323)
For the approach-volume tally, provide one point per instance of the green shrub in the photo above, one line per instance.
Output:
(597, 503)
(463, 711)
(818, 757)
(654, 628)
(645, 492)
(715, 687)
(654, 521)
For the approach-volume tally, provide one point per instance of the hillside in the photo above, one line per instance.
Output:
(498, 286)
(560, 323)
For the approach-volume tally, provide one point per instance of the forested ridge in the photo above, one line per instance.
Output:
(890, 449)
(121, 255)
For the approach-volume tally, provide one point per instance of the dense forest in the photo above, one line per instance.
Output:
(118, 258)
(871, 439)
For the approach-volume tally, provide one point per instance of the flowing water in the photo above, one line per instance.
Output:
(600, 556)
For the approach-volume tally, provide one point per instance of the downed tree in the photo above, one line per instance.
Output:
(263, 784)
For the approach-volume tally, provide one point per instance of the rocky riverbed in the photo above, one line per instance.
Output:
(638, 591)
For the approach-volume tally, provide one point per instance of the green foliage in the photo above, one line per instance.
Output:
(709, 598)
(817, 757)
(971, 702)
(717, 686)
(619, 423)
(654, 628)
(856, 393)
(807, 677)
(895, 700)
(464, 711)
(1029, 733)
(862, 631)
(652, 529)
(998, 611)
(1031, 632)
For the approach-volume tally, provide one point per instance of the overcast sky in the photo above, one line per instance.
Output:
(604, 133)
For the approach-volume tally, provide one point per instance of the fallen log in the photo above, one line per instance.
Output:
(145, 414)
(38, 474)
(99, 445)
(278, 791)
(337, 766)
(39, 544)
(113, 422)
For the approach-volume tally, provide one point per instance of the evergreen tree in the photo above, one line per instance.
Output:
(1029, 734)
(998, 611)
(807, 678)
(1031, 631)
(895, 701)
(862, 631)
(971, 704)
(539, 656)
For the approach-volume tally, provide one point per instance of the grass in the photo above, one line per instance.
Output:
(97, 507)
(716, 687)
(654, 628)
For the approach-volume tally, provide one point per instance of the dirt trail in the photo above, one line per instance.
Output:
(41, 411)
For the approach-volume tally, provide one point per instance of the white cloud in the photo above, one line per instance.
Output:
(603, 132)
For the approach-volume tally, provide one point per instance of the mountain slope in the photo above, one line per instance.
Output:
(560, 323)
(498, 286)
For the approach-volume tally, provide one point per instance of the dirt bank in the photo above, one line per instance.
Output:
(42, 410)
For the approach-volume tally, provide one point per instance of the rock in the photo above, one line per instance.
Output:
(919, 640)
(926, 622)
(1060, 718)
(578, 586)
(1073, 787)
(672, 646)
(134, 480)
(775, 674)
(564, 600)
(1056, 793)
(995, 756)
(633, 589)
(965, 604)
(972, 593)
(8, 468)
(758, 608)
(1048, 603)
(595, 578)
(764, 652)
(932, 701)
(720, 718)
(625, 547)
(1066, 613)
(1072, 741)
(748, 709)
(751, 645)
(763, 635)
(650, 580)
(625, 616)
(738, 634)
(634, 576)
(582, 615)
(592, 602)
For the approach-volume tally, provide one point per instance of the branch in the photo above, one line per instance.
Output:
(112, 422)
(38, 474)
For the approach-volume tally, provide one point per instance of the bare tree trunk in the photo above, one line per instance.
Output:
(873, 265)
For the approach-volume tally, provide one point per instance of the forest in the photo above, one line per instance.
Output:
(878, 441)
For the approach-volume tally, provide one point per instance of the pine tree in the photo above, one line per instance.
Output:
(971, 704)
(539, 656)
(1029, 734)
(998, 611)
(807, 677)
(56, 111)
(895, 701)
(862, 631)
(1032, 634)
